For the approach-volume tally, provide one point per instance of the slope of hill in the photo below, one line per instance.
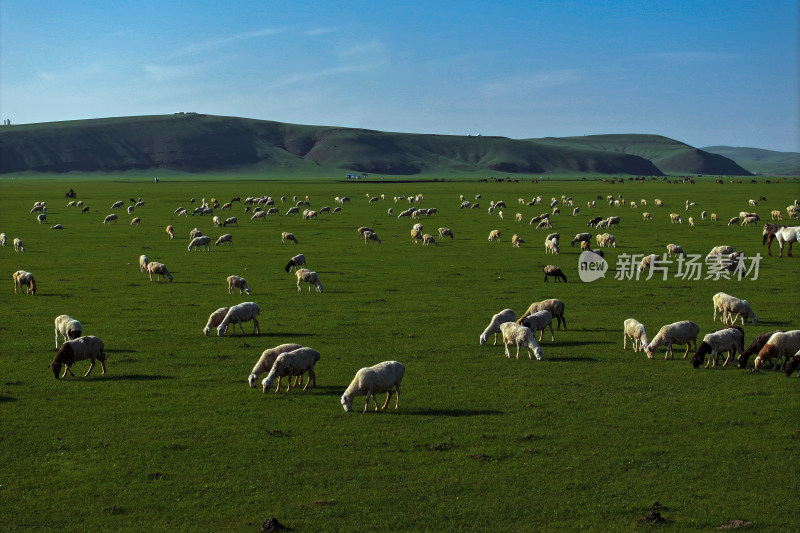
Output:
(198, 143)
(759, 161)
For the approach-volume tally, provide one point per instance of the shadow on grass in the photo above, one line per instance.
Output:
(4, 399)
(441, 412)
(128, 377)
(573, 343)
(571, 359)
(119, 350)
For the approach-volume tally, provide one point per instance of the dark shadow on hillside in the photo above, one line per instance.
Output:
(571, 359)
(439, 412)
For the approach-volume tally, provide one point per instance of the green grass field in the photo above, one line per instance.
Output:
(173, 439)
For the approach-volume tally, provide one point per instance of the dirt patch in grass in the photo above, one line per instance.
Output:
(653, 517)
(734, 524)
(277, 433)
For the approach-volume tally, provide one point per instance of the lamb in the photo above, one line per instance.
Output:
(215, 319)
(68, 327)
(294, 363)
(136, 221)
(109, 218)
(80, 349)
(295, 262)
(538, 322)
(506, 315)
(551, 246)
(494, 235)
(371, 236)
(647, 216)
(18, 245)
(648, 261)
(235, 282)
(729, 340)
(427, 239)
(171, 232)
(516, 241)
(286, 236)
(225, 238)
(554, 305)
(580, 237)
(200, 242)
(308, 276)
(369, 381)
(684, 332)
(792, 364)
(160, 270)
(782, 344)
(520, 335)
(267, 359)
(143, 262)
(42, 218)
(446, 232)
(239, 313)
(552, 270)
(22, 277)
(637, 332)
(755, 347)
(675, 249)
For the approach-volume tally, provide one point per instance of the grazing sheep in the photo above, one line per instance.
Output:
(718, 251)
(674, 249)
(554, 305)
(195, 233)
(136, 221)
(293, 211)
(514, 333)
(109, 218)
(57, 226)
(42, 218)
(143, 261)
(215, 221)
(729, 305)
(776, 213)
(714, 217)
(2, 239)
(363, 229)
(200, 242)
(792, 365)
(160, 270)
(606, 239)
(647, 216)
(215, 319)
(755, 347)
(117, 205)
(416, 235)
(286, 236)
(308, 276)
(235, 282)
(580, 237)
(427, 239)
(80, 349)
(538, 321)
(225, 238)
(267, 359)
(506, 315)
(446, 232)
(729, 340)
(18, 246)
(733, 221)
(675, 217)
(780, 345)
(684, 332)
(259, 214)
(130, 209)
(239, 313)
(552, 270)
(68, 327)
(516, 241)
(648, 261)
(637, 332)
(551, 246)
(295, 262)
(371, 236)
(494, 235)
(369, 381)
(85, 209)
(294, 363)
(659, 203)
(22, 277)
(612, 221)
(231, 221)
(171, 232)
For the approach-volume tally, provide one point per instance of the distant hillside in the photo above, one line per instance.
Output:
(758, 161)
(199, 143)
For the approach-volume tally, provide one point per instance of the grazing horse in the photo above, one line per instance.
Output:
(787, 234)
(768, 235)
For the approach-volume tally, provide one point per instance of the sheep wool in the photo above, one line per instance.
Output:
(80, 349)
(294, 363)
(215, 319)
(68, 327)
(369, 381)
(506, 315)
(514, 333)
(267, 359)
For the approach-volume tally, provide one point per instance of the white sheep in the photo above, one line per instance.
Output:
(684, 332)
(554, 305)
(195, 233)
(729, 306)
(239, 313)
(286, 236)
(215, 319)
(18, 245)
(68, 327)
(200, 242)
(267, 359)
(637, 332)
(42, 218)
(295, 262)
(539, 321)
(23, 277)
(446, 232)
(371, 236)
(2, 239)
(506, 315)
(143, 262)
(780, 344)
(551, 246)
(225, 238)
(294, 363)
(674, 249)
(729, 340)
(580, 237)
(514, 333)
(651, 261)
(516, 241)
(369, 381)
(109, 218)
(675, 217)
(235, 282)
(215, 221)
(494, 235)
(718, 251)
(308, 276)
(231, 221)
(80, 349)
(160, 270)
(427, 239)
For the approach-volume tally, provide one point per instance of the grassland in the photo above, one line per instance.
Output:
(173, 439)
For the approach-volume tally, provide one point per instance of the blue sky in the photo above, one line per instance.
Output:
(702, 72)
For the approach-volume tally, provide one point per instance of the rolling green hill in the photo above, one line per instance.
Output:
(759, 161)
(197, 143)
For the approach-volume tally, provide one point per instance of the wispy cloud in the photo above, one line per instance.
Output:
(686, 56)
(319, 31)
(526, 82)
(221, 42)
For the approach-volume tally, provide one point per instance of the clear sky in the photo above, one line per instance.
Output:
(702, 72)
